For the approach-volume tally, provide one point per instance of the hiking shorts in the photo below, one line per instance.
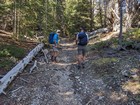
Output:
(55, 48)
(82, 50)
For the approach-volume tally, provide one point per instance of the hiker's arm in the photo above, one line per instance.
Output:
(87, 37)
(55, 43)
(76, 41)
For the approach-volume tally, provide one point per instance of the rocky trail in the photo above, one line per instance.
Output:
(63, 84)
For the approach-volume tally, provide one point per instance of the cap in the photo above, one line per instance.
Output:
(58, 31)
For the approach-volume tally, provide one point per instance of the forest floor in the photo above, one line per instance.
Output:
(110, 77)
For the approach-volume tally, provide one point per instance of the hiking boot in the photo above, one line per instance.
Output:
(55, 60)
(52, 58)
(83, 65)
(78, 66)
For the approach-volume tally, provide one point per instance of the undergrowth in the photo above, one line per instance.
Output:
(9, 55)
(131, 40)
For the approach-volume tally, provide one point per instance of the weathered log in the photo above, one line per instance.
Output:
(102, 30)
(4, 32)
(7, 79)
(96, 32)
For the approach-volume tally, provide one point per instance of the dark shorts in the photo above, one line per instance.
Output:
(82, 50)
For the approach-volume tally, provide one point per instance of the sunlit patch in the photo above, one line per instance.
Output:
(132, 86)
(118, 96)
(65, 64)
(101, 93)
(67, 44)
(109, 36)
(68, 96)
(66, 93)
(134, 70)
(70, 49)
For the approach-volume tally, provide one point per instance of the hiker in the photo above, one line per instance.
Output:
(81, 41)
(54, 39)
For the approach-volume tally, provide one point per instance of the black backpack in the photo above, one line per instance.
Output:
(83, 40)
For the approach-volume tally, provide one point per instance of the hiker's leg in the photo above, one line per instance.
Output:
(84, 53)
(56, 53)
(83, 56)
(52, 54)
(52, 57)
(79, 56)
(79, 59)
(55, 56)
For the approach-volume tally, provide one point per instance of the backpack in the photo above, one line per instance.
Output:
(51, 35)
(83, 40)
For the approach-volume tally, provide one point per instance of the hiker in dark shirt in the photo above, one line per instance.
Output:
(81, 41)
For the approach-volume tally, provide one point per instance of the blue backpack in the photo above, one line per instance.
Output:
(83, 40)
(51, 35)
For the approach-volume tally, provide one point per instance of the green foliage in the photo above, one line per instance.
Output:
(131, 40)
(6, 64)
(133, 34)
(11, 50)
(101, 45)
(4, 53)
(9, 55)
(103, 61)
(127, 43)
(50, 15)
(81, 16)
(137, 97)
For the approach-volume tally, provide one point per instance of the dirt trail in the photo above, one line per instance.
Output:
(62, 84)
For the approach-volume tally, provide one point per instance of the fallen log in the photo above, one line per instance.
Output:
(9, 77)
(93, 36)
(97, 32)
(101, 30)
(4, 32)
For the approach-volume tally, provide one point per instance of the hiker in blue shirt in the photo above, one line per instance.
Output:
(55, 51)
(56, 38)
(81, 41)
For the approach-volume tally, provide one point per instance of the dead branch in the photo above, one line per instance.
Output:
(34, 66)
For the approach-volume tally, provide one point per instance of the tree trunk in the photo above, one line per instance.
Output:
(121, 21)
(91, 15)
(62, 18)
(100, 10)
(46, 12)
(18, 23)
(105, 12)
(15, 19)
